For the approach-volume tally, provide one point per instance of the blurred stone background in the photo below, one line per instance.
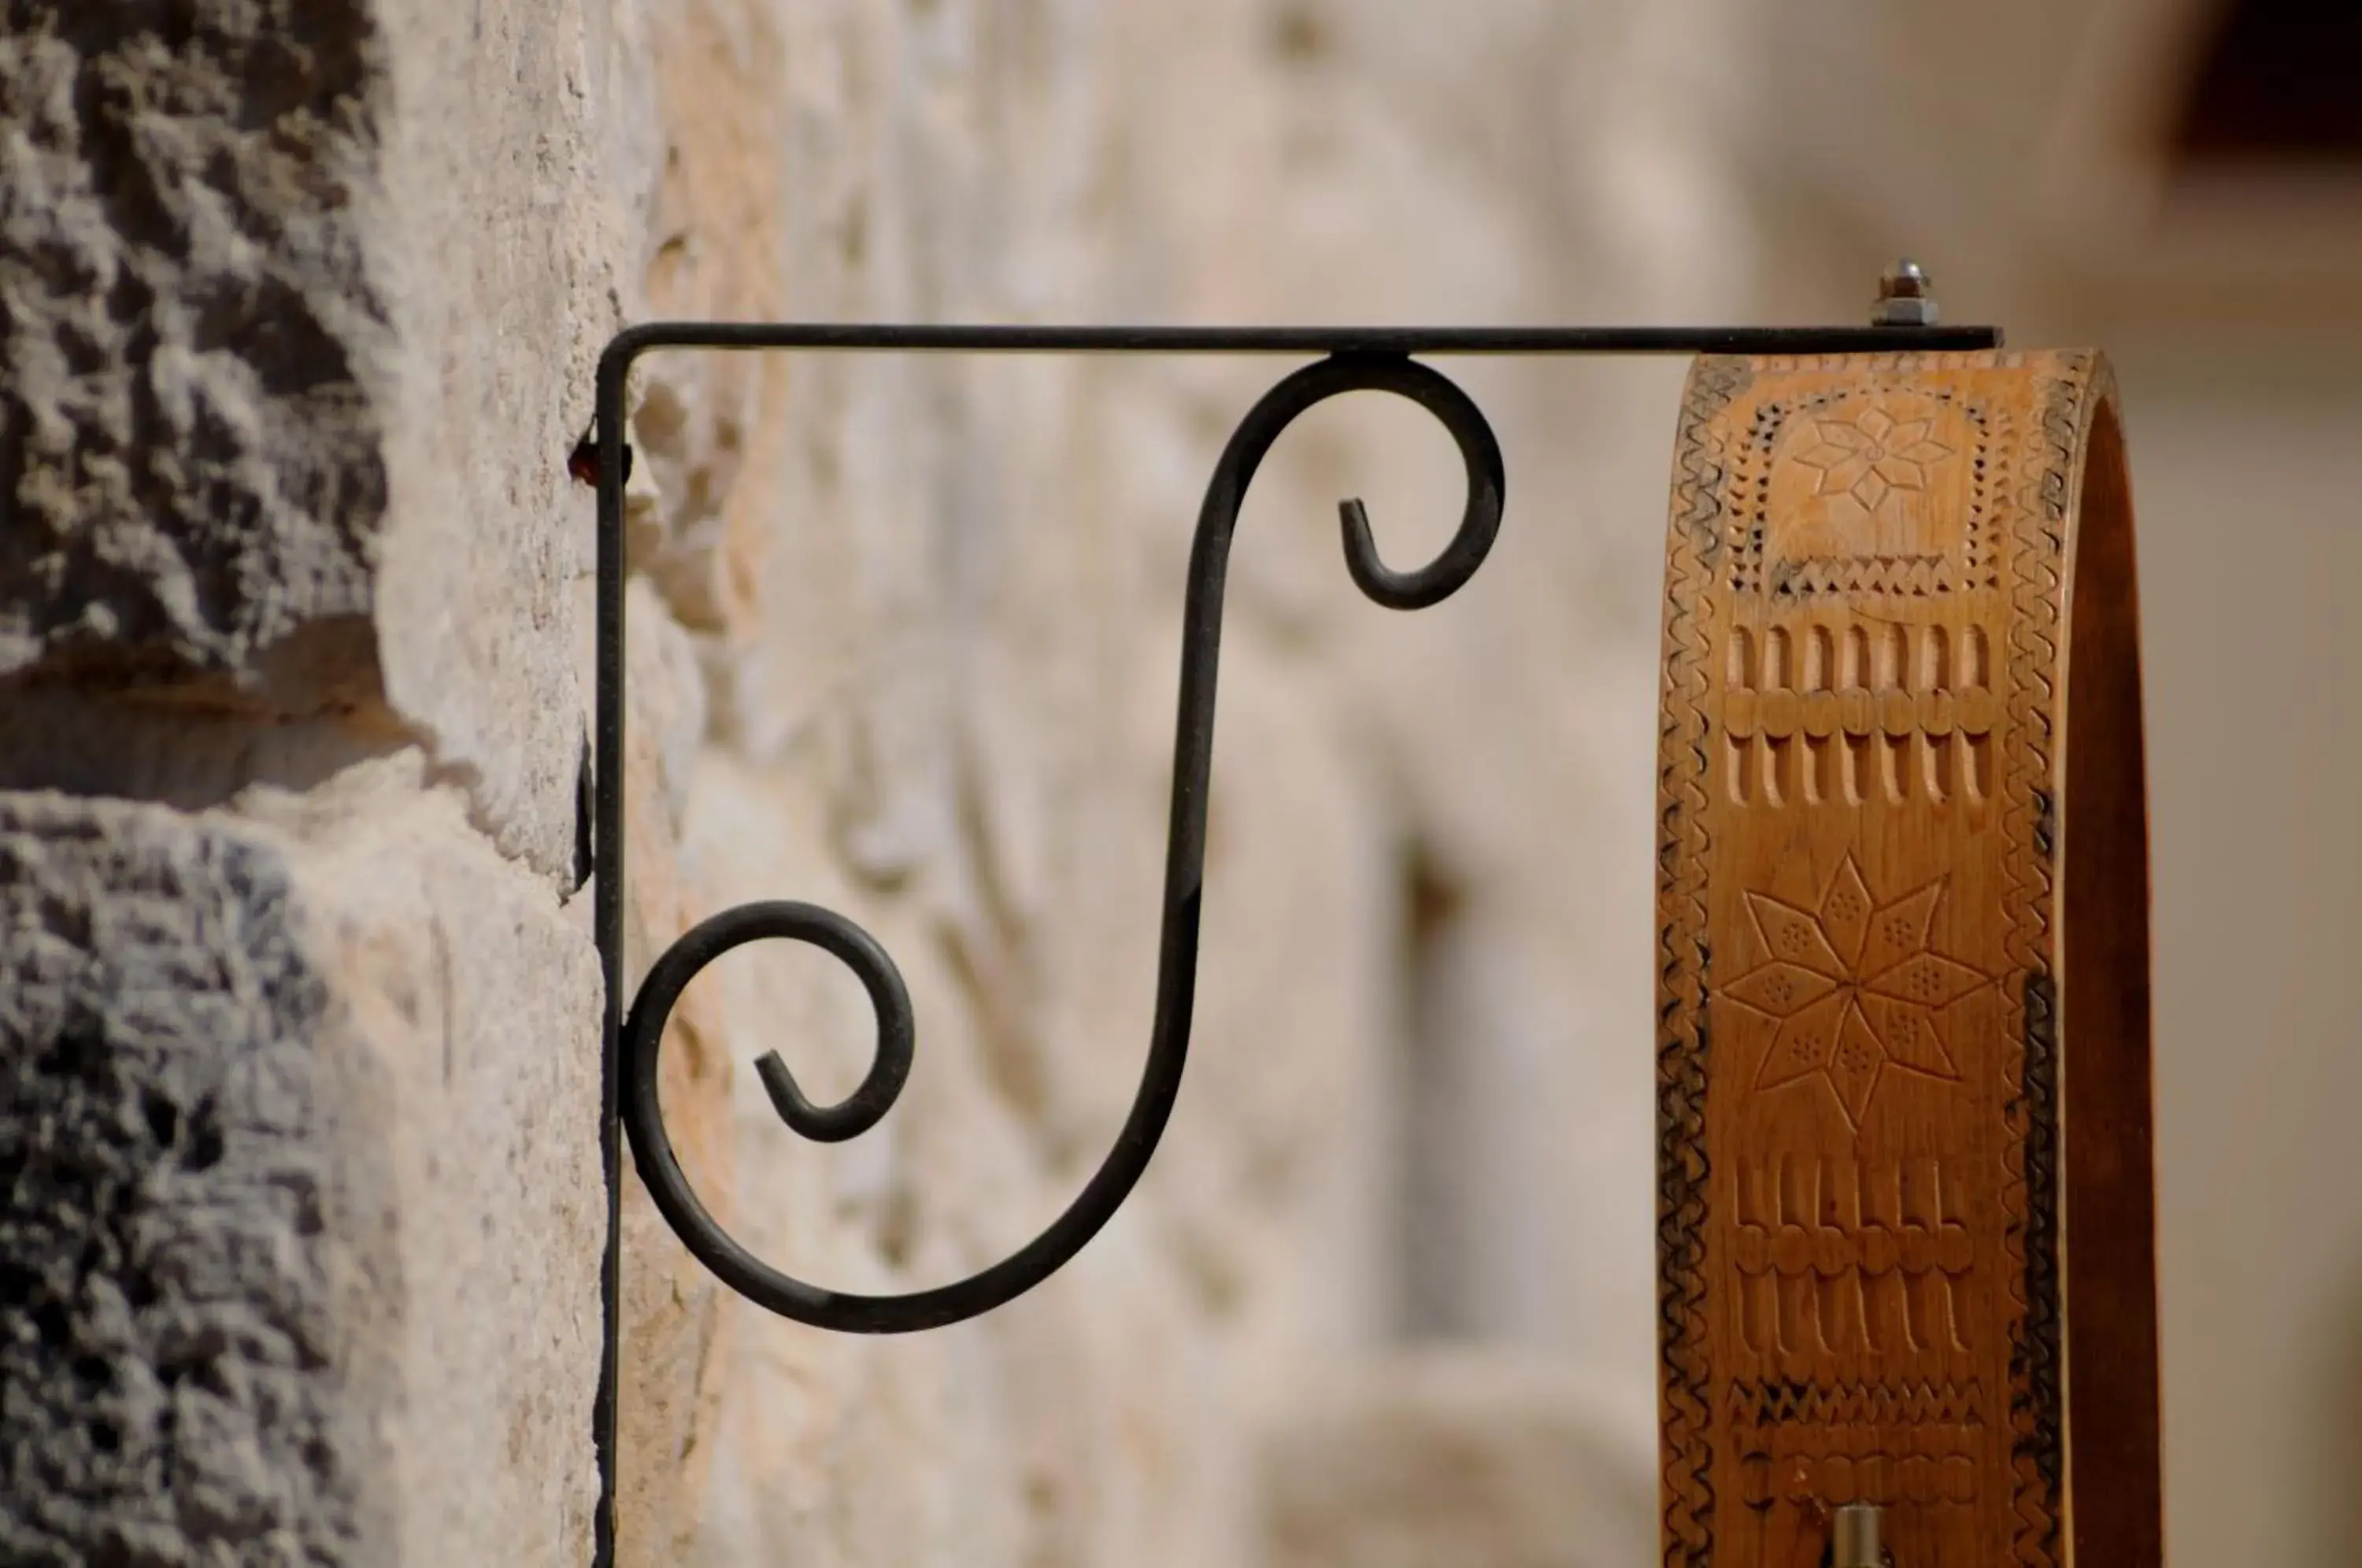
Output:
(298, 304)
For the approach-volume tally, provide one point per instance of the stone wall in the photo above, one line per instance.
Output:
(299, 305)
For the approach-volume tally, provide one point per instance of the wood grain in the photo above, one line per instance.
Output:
(1903, 987)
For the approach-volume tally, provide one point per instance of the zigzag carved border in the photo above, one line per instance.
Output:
(1683, 1173)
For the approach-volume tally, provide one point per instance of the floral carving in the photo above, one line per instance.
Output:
(1855, 989)
(1871, 454)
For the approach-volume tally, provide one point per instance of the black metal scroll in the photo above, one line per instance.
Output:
(1356, 359)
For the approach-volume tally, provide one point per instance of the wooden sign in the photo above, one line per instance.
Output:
(1905, 1217)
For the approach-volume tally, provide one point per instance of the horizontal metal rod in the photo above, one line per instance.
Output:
(874, 336)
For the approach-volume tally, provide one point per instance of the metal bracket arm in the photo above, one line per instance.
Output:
(1350, 359)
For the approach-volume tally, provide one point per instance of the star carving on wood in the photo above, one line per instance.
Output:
(1855, 991)
(1871, 454)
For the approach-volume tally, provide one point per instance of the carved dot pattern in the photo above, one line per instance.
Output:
(1923, 984)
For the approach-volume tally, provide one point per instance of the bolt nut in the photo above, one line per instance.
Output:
(1906, 297)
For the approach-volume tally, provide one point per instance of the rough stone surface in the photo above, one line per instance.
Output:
(508, 232)
(191, 467)
(301, 1224)
(197, 1280)
(455, 975)
(299, 305)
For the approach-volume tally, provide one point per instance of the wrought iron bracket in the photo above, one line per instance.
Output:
(1344, 360)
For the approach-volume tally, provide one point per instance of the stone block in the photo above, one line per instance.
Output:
(203, 1274)
(304, 1218)
(192, 464)
(298, 308)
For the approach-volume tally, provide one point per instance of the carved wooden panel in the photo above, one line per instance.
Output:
(1885, 1097)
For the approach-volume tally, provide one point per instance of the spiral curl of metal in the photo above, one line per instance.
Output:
(1160, 1083)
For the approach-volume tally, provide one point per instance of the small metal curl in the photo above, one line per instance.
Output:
(825, 928)
(1160, 1084)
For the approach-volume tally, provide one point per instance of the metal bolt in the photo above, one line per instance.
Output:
(1854, 1543)
(1904, 297)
